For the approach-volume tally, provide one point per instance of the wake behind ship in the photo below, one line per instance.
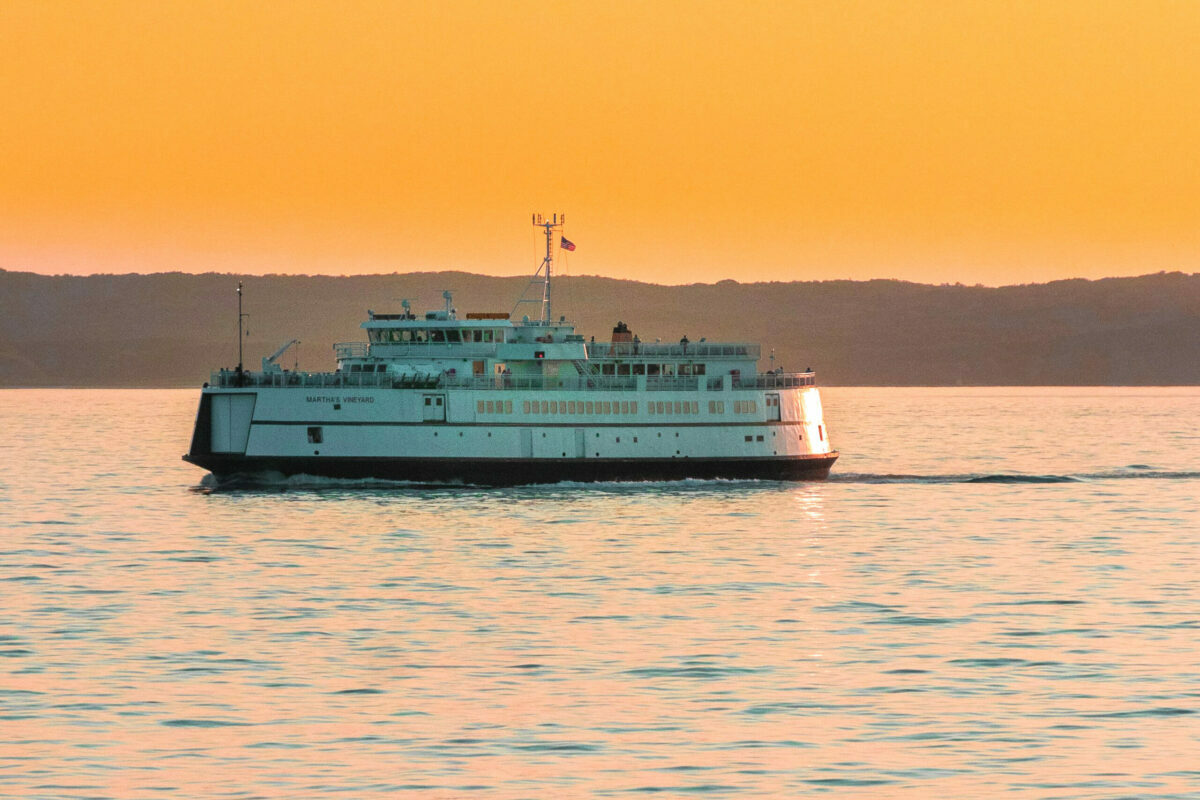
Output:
(486, 400)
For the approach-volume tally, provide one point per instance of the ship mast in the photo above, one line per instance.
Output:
(550, 225)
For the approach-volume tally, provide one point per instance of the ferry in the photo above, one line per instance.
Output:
(483, 399)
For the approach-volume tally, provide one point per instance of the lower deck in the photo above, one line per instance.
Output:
(490, 437)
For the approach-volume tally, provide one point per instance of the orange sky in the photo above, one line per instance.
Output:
(985, 142)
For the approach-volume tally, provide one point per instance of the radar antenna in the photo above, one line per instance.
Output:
(550, 225)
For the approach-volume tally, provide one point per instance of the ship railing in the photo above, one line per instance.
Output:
(605, 383)
(228, 378)
(775, 380)
(344, 350)
(656, 350)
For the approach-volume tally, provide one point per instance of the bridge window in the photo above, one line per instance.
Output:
(668, 370)
(639, 369)
(452, 336)
(608, 369)
(623, 369)
(652, 369)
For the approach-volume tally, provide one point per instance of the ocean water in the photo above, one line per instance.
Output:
(996, 595)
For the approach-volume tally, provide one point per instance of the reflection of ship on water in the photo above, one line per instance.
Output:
(485, 400)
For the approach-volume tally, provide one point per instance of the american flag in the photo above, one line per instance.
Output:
(567, 244)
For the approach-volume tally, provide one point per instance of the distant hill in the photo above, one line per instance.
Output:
(170, 329)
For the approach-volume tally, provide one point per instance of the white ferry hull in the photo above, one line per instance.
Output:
(394, 434)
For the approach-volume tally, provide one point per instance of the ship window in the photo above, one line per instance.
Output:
(668, 370)
(420, 336)
(618, 440)
(678, 410)
(588, 406)
(697, 369)
(316, 435)
(428, 401)
(570, 406)
(524, 406)
(652, 369)
(452, 336)
(712, 406)
(650, 408)
(608, 369)
(624, 406)
(487, 336)
(478, 406)
(639, 369)
(508, 406)
(659, 403)
(635, 440)
(545, 407)
(437, 335)
(749, 438)
(633, 409)
(553, 407)
(623, 369)
(491, 407)
(758, 438)
(562, 406)
(685, 369)
(695, 406)
(616, 408)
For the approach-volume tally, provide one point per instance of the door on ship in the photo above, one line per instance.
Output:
(772, 406)
(580, 443)
(435, 408)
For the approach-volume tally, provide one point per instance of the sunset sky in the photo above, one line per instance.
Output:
(981, 142)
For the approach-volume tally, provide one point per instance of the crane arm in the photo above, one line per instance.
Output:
(268, 363)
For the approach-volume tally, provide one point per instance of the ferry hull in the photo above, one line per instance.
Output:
(514, 472)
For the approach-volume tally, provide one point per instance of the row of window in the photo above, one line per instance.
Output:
(494, 406)
(579, 407)
(611, 407)
(435, 336)
(661, 370)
